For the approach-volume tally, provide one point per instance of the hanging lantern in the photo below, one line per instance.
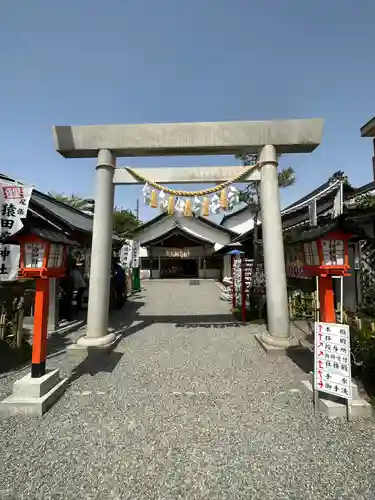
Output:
(154, 201)
(188, 210)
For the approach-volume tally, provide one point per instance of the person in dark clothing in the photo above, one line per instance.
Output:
(66, 285)
(79, 285)
(118, 284)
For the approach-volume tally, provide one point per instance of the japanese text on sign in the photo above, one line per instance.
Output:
(135, 254)
(9, 262)
(332, 371)
(14, 203)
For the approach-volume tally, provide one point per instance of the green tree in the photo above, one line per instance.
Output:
(124, 221)
(73, 201)
(251, 196)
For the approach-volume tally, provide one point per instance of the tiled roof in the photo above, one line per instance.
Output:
(368, 129)
(232, 214)
(176, 231)
(75, 219)
(206, 221)
(363, 189)
(52, 236)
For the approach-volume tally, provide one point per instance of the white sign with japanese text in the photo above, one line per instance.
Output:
(135, 254)
(125, 254)
(9, 262)
(14, 203)
(294, 264)
(178, 253)
(332, 370)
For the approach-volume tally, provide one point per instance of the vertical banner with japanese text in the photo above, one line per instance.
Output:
(125, 254)
(14, 203)
(135, 254)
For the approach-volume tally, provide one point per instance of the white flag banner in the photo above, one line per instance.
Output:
(135, 254)
(125, 254)
(14, 203)
(9, 261)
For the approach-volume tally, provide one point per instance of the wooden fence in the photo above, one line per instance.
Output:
(302, 298)
(15, 300)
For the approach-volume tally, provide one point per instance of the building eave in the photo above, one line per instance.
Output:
(177, 231)
(368, 129)
(204, 220)
(233, 214)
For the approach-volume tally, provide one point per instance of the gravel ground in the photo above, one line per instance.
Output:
(181, 411)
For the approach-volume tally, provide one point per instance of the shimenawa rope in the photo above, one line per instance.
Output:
(202, 192)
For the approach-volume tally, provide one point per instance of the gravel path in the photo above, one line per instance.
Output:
(181, 411)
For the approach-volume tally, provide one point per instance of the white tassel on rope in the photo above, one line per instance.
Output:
(196, 207)
(215, 205)
(163, 201)
(180, 207)
(233, 197)
(146, 191)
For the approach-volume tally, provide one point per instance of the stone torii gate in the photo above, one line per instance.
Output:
(267, 139)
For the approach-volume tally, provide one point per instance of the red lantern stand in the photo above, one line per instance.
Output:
(49, 263)
(325, 266)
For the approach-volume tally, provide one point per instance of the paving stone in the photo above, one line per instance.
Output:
(192, 412)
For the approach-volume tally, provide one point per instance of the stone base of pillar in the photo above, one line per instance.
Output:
(34, 396)
(105, 343)
(277, 345)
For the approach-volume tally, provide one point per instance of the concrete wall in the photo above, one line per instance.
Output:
(227, 266)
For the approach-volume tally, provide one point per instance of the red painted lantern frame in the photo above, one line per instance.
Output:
(45, 271)
(323, 269)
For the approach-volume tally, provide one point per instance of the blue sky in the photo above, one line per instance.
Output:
(110, 61)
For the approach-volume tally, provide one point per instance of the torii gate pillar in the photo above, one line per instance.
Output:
(278, 324)
(264, 138)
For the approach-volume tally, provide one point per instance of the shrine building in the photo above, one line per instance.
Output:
(183, 247)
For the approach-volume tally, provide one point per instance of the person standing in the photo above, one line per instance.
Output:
(118, 283)
(79, 285)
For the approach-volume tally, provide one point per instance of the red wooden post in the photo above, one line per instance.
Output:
(233, 283)
(243, 290)
(326, 300)
(39, 352)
